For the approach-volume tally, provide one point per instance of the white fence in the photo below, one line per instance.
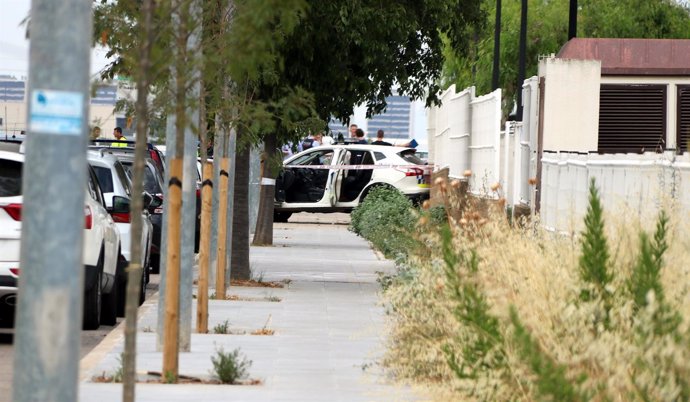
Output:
(633, 183)
(465, 134)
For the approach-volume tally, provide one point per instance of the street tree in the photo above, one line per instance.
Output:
(348, 52)
(547, 32)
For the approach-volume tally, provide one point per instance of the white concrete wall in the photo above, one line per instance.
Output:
(485, 143)
(628, 183)
(571, 107)
(525, 146)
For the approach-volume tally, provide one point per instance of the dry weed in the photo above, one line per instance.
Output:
(537, 272)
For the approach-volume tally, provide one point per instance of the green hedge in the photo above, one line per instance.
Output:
(387, 219)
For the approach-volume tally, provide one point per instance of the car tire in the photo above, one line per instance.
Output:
(109, 305)
(155, 264)
(142, 288)
(92, 301)
(121, 283)
(281, 217)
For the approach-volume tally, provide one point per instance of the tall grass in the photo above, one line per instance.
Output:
(492, 311)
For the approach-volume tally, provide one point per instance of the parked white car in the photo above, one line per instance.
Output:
(117, 192)
(336, 178)
(100, 248)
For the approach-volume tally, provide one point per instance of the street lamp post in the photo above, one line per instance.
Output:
(572, 22)
(497, 47)
(522, 59)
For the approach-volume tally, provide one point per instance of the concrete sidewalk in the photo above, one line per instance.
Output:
(329, 328)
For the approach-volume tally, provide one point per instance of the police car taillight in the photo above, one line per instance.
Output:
(410, 171)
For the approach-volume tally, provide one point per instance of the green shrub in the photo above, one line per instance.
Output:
(222, 328)
(386, 219)
(594, 260)
(230, 366)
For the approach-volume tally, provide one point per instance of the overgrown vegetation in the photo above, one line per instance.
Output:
(487, 310)
(230, 367)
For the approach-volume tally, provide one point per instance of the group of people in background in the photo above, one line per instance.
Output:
(357, 136)
(117, 133)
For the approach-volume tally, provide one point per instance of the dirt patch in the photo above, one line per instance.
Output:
(263, 331)
(273, 299)
(256, 284)
(155, 377)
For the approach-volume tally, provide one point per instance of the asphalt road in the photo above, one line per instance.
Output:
(89, 340)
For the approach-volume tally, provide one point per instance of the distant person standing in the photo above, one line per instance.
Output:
(327, 140)
(379, 139)
(353, 130)
(119, 138)
(359, 135)
(96, 133)
(311, 141)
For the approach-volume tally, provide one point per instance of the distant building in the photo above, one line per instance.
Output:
(14, 108)
(402, 120)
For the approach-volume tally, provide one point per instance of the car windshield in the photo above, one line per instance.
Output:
(320, 157)
(10, 178)
(105, 178)
(409, 156)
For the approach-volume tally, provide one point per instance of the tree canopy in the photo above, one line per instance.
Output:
(547, 32)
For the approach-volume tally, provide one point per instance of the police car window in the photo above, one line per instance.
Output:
(379, 155)
(105, 178)
(10, 178)
(409, 156)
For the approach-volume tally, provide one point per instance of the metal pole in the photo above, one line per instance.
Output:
(171, 335)
(135, 270)
(522, 57)
(221, 268)
(232, 146)
(572, 22)
(51, 285)
(497, 48)
(188, 230)
(217, 153)
(170, 142)
(254, 185)
(189, 210)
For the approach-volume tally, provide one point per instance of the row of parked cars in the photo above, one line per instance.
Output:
(107, 228)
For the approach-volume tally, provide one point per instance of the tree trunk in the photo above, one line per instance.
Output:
(263, 235)
(240, 218)
(135, 268)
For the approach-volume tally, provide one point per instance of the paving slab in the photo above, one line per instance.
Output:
(328, 323)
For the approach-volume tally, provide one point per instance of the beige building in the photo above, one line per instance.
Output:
(14, 107)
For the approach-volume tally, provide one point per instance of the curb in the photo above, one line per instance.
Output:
(98, 353)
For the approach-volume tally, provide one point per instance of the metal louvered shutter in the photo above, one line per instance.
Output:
(632, 118)
(683, 116)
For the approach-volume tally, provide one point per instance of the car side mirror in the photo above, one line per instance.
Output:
(156, 201)
(148, 199)
(120, 205)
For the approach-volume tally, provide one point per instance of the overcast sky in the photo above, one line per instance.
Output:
(14, 48)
